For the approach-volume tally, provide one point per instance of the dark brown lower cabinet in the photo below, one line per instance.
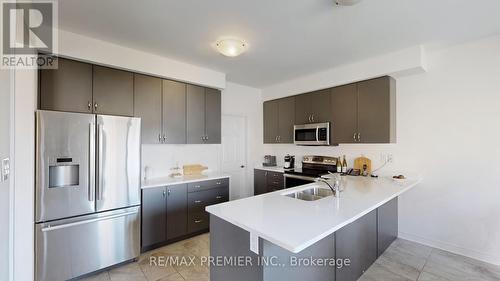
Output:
(173, 212)
(358, 243)
(267, 181)
(387, 225)
(198, 218)
(154, 210)
(176, 211)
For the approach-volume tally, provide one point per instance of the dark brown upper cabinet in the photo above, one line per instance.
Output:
(271, 121)
(377, 110)
(279, 118)
(161, 105)
(203, 115)
(364, 112)
(212, 115)
(344, 110)
(113, 91)
(313, 107)
(68, 88)
(174, 112)
(148, 106)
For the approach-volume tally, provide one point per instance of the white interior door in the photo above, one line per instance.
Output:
(234, 154)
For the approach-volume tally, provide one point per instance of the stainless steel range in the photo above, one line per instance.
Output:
(313, 167)
(87, 193)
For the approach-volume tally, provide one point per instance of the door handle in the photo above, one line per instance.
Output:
(198, 221)
(242, 166)
(96, 105)
(91, 171)
(61, 226)
(197, 201)
(359, 137)
(317, 133)
(354, 137)
(312, 117)
(99, 162)
(89, 105)
(218, 197)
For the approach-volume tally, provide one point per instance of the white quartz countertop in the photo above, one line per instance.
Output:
(163, 181)
(296, 224)
(278, 169)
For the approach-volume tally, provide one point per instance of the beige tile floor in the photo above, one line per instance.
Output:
(403, 261)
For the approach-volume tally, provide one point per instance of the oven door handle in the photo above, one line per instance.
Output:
(317, 133)
(311, 179)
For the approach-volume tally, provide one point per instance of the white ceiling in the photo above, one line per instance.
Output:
(287, 38)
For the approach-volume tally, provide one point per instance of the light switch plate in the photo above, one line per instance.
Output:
(5, 169)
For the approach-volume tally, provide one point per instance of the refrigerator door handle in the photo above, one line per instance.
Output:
(91, 183)
(61, 226)
(99, 162)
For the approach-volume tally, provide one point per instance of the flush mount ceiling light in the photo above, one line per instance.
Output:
(231, 47)
(347, 2)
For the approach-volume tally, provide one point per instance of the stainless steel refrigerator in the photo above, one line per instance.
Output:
(87, 193)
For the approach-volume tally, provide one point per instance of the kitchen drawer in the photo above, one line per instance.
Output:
(275, 180)
(198, 221)
(197, 201)
(209, 184)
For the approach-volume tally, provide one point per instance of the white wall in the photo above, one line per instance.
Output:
(5, 193)
(447, 131)
(400, 63)
(161, 158)
(84, 48)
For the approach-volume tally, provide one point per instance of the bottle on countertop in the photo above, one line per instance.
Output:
(344, 166)
(339, 165)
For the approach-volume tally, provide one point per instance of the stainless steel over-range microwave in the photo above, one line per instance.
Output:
(312, 134)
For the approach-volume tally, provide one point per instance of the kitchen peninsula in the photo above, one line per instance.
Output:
(274, 229)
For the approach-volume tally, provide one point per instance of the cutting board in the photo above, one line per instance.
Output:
(360, 161)
(195, 169)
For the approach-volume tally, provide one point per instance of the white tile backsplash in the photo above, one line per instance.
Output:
(159, 159)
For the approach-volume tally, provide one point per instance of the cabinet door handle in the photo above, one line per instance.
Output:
(218, 183)
(164, 138)
(265, 174)
(164, 194)
(312, 117)
(218, 197)
(168, 192)
(197, 186)
(96, 105)
(354, 137)
(359, 137)
(89, 105)
(159, 138)
(197, 201)
(198, 221)
(206, 137)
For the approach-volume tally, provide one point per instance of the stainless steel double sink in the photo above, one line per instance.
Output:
(311, 194)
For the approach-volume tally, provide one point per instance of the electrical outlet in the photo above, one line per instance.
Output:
(5, 169)
(386, 157)
(390, 158)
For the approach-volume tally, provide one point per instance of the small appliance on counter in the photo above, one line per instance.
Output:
(289, 162)
(269, 161)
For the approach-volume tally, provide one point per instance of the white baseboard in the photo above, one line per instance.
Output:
(485, 257)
